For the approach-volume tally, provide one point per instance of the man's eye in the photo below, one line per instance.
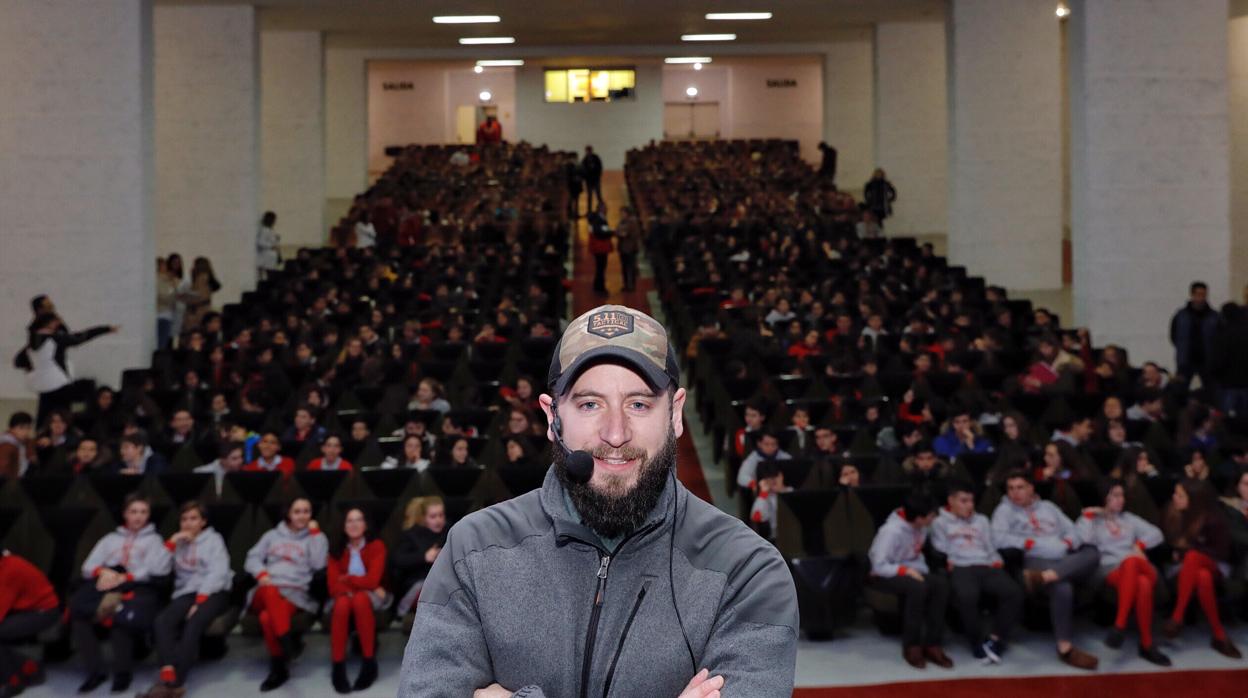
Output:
(589, 405)
(640, 406)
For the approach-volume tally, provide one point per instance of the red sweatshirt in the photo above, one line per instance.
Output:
(23, 587)
(374, 557)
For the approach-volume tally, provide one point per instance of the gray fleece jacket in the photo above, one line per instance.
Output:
(202, 566)
(141, 553)
(524, 596)
(1040, 529)
(897, 547)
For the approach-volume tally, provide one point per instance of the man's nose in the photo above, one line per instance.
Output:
(614, 430)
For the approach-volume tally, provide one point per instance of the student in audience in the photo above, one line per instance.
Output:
(763, 511)
(424, 535)
(961, 436)
(269, 457)
(356, 568)
(1053, 557)
(87, 457)
(458, 454)
(766, 448)
(230, 461)
(283, 563)
(51, 374)
(799, 426)
(964, 537)
(879, 194)
(201, 585)
(429, 396)
(331, 455)
(899, 567)
(412, 457)
(1197, 530)
(924, 468)
(56, 442)
(17, 447)
(743, 438)
(28, 606)
(117, 592)
(305, 427)
(268, 253)
(137, 458)
(1122, 539)
(1192, 332)
(1237, 520)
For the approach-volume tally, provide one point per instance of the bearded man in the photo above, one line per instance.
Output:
(612, 579)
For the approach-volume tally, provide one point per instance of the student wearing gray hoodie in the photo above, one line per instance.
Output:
(976, 568)
(1122, 537)
(283, 562)
(1053, 558)
(117, 593)
(898, 567)
(201, 586)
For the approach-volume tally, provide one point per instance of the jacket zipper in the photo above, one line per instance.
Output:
(606, 688)
(592, 634)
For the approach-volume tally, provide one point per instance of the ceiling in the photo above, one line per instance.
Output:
(560, 23)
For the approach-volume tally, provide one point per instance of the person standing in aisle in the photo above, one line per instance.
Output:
(591, 169)
(629, 234)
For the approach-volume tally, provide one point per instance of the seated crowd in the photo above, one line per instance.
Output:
(863, 391)
(297, 458)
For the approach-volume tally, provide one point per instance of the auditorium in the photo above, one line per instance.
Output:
(654, 349)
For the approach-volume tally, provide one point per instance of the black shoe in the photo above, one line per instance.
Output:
(977, 650)
(368, 674)
(339, 674)
(93, 682)
(1114, 639)
(995, 650)
(278, 674)
(121, 681)
(1154, 655)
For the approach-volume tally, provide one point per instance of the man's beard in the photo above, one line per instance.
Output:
(618, 510)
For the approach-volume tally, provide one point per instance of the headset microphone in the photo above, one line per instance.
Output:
(580, 464)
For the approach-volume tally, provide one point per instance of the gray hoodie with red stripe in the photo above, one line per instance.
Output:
(289, 559)
(202, 565)
(141, 553)
(1039, 529)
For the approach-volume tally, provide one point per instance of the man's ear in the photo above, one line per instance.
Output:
(547, 404)
(678, 411)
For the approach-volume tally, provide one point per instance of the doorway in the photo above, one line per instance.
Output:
(690, 120)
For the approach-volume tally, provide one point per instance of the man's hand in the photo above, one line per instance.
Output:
(108, 580)
(191, 611)
(1049, 576)
(492, 691)
(432, 554)
(915, 575)
(703, 685)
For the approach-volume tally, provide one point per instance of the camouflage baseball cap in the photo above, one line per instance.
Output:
(614, 332)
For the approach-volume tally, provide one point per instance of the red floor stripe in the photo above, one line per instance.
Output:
(688, 465)
(1172, 684)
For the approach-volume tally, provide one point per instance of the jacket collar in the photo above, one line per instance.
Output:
(566, 528)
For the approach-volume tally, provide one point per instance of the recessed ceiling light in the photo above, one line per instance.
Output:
(485, 95)
(500, 63)
(691, 91)
(466, 19)
(688, 59)
(708, 37)
(738, 15)
(1063, 11)
(477, 40)
(478, 69)
(697, 66)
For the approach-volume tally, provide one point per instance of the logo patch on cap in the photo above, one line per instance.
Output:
(610, 324)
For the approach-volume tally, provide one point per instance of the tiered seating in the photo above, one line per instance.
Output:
(466, 288)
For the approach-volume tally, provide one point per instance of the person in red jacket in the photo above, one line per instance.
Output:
(356, 565)
(331, 455)
(269, 457)
(28, 606)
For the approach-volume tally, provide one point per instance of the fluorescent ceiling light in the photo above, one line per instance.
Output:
(485, 95)
(738, 15)
(708, 37)
(500, 63)
(688, 59)
(466, 19)
(476, 40)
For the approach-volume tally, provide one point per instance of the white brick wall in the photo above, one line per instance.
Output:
(75, 174)
(1238, 83)
(849, 109)
(292, 135)
(207, 139)
(1150, 143)
(1005, 189)
(911, 124)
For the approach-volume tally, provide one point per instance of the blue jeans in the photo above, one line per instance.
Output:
(164, 328)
